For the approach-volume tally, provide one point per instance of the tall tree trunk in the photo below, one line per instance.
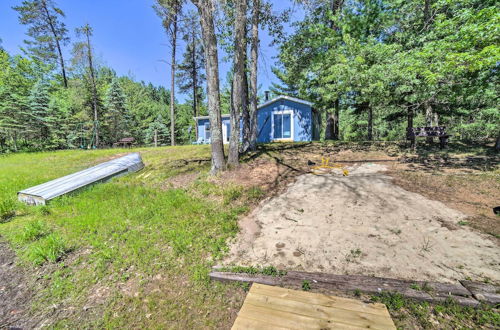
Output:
(497, 144)
(238, 100)
(254, 50)
(427, 13)
(245, 114)
(94, 91)
(370, 121)
(336, 119)
(172, 82)
(195, 77)
(429, 116)
(332, 118)
(330, 124)
(58, 44)
(206, 11)
(194, 73)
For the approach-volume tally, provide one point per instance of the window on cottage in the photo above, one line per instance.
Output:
(207, 131)
(282, 126)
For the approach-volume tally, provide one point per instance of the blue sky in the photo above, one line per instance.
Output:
(128, 37)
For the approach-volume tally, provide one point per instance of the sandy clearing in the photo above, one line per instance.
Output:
(363, 224)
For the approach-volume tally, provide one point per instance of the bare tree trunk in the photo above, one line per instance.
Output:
(336, 114)
(409, 118)
(427, 13)
(94, 90)
(58, 44)
(245, 115)
(238, 99)
(497, 144)
(172, 82)
(370, 121)
(330, 123)
(195, 77)
(254, 50)
(332, 118)
(206, 11)
(429, 116)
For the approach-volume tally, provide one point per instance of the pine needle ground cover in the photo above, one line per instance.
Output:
(132, 252)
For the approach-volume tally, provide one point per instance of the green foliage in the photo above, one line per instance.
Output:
(383, 62)
(7, 209)
(45, 28)
(449, 314)
(306, 285)
(48, 249)
(33, 231)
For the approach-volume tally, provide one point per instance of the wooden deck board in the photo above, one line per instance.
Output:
(268, 307)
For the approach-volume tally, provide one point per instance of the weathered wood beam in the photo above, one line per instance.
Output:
(434, 292)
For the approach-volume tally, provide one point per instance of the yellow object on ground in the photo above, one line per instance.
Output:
(325, 165)
(270, 307)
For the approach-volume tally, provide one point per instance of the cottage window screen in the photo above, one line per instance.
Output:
(207, 131)
(282, 126)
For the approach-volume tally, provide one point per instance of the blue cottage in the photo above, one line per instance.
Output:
(282, 119)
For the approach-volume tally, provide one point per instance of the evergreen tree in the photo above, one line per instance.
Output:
(39, 121)
(47, 32)
(190, 76)
(158, 132)
(117, 116)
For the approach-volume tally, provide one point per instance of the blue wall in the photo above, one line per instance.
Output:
(201, 126)
(302, 121)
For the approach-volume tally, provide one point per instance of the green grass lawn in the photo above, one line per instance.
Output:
(133, 252)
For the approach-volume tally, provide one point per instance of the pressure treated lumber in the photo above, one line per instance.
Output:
(268, 307)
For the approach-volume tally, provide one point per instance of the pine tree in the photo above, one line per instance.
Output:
(47, 31)
(190, 76)
(39, 119)
(117, 115)
(157, 131)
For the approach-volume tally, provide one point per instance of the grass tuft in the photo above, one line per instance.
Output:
(33, 231)
(48, 249)
(7, 209)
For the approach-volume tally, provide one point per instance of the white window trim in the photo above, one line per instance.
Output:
(292, 119)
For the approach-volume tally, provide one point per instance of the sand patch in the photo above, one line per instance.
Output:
(363, 224)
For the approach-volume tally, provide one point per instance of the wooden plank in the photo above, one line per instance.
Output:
(289, 320)
(372, 285)
(484, 292)
(243, 322)
(320, 299)
(268, 307)
(336, 315)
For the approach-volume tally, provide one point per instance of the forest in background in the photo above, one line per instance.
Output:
(376, 67)
(372, 67)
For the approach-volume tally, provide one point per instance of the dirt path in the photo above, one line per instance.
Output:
(363, 224)
(15, 296)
